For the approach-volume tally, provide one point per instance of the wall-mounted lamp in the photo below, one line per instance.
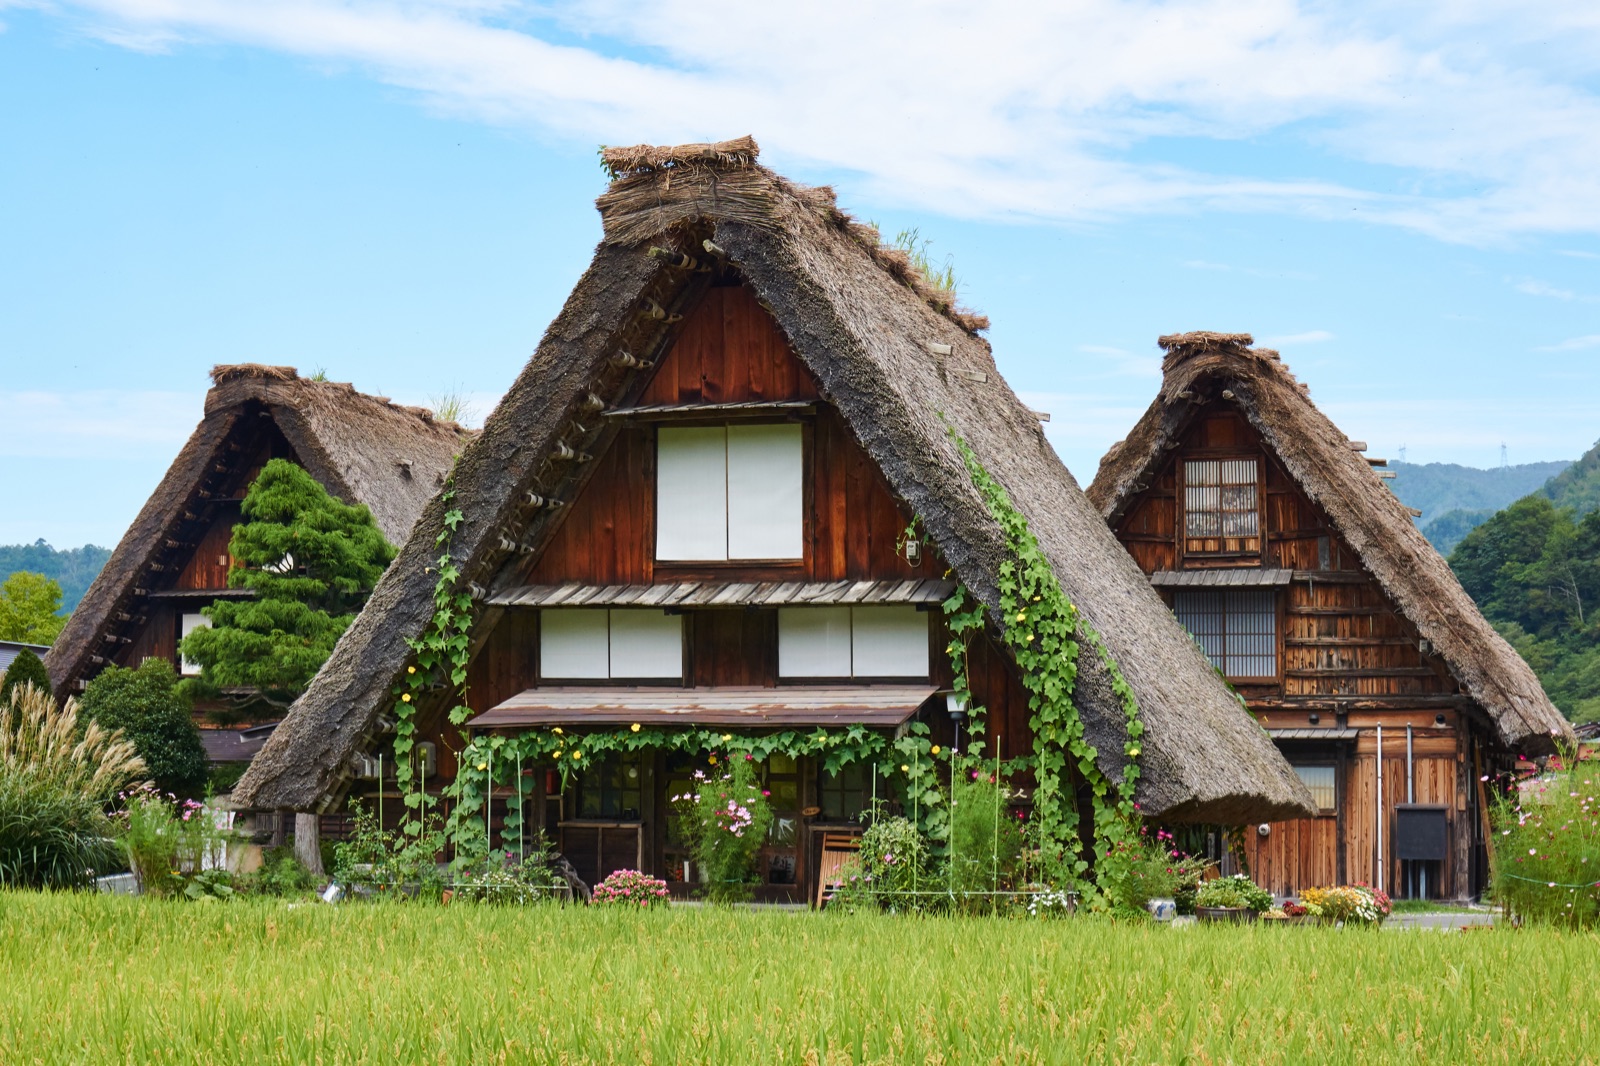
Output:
(1314, 717)
(1438, 719)
(956, 705)
(1264, 830)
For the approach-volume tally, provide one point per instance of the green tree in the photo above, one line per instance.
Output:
(28, 606)
(153, 711)
(26, 667)
(311, 562)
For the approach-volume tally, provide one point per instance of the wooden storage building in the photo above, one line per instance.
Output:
(692, 507)
(1278, 546)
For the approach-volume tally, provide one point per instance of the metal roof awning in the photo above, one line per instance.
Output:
(1252, 577)
(1314, 733)
(883, 706)
(727, 594)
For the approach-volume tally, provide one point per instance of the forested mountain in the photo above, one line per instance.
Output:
(1534, 570)
(1578, 486)
(1454, 499)
(73, 569)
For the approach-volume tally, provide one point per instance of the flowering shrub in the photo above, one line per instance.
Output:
(169, 840)
(1052, 903)
(725, 820)
(1291, 909)
(502, 879)
(630, 888)
(1547, 845)
(892, 870)
(1140, 867)
(1234, 891)
(1351, 904)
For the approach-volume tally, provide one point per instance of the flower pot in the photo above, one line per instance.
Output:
(1162, 908)
(1234, 915)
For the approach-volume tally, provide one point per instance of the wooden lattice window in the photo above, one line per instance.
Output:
(1321, 780)
(1236, 628)
(1221, 513)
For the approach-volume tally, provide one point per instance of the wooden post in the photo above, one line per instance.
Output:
(308, 842)
(277, 829)
(1461, 864)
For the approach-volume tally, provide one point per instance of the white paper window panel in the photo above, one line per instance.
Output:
(813, 642)
(190, 623)
(692, 493)
(574, 644)
(889, 642)
(765, 492)
(646, 644)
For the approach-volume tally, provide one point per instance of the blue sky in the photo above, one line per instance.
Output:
(1403, 199)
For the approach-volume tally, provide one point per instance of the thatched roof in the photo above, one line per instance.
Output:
(1203, 367)
(897, 364)
(361, 448)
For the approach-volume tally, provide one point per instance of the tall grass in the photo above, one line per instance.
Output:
(55, 780)
(102, 979)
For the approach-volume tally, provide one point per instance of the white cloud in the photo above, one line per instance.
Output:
(1573, 344)
(1054, 112)
(1288, 340)
(1534, 287)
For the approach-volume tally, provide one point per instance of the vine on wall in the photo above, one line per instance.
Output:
(1043, 629)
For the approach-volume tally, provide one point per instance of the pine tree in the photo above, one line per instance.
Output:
(311, 562)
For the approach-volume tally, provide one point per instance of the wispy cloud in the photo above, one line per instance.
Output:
(101, 423)
(1573, 344)
(1289, 340)
(1489, 140)
(1573, 253)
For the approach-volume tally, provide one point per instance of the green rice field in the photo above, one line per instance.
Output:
(96, 979)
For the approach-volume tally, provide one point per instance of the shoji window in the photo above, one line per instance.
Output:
(579, 645)
(729, 492)
(1221, 515)
(1236, 628)
(852, 642)
(190, 623)
(1320, 780)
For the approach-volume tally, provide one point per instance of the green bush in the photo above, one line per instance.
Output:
(168, 840)
(892, 871)
(281, 874)
(26, 669)
(985, 840)
(1547, 847)
(1235, 891)
(55, 781)
(147, 705)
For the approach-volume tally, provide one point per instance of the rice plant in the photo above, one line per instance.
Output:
(94, 979)
(55, 781)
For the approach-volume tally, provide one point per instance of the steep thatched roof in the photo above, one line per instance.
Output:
(361, 448)
(898, 361)
(1202, 367)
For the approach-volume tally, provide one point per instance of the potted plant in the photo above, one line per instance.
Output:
(1231, 899)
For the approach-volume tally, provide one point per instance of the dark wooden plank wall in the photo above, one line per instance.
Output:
(730, 350)
(207, 568)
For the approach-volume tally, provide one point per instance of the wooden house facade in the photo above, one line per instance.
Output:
(1278, 547)
(173, 561)
(724, 495)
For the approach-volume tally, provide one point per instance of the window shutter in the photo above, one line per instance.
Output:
(814, 642)
(765, 493)
(573, 645)
(889, 642)
(191, 622)
(646, 644)
(692, 493)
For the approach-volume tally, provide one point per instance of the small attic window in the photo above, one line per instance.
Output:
(727, 493)
(1221, 507)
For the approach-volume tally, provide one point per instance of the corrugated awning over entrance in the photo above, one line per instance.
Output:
(1245, 577)
(727, 594)
(884, 706)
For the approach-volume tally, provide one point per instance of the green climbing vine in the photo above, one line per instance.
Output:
(1043, 629)
(439, 662)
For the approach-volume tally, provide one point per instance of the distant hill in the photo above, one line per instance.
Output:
(1578, 486)
(72, 569)
(1454, 499)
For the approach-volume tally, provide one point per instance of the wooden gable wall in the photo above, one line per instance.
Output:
(1340, 634)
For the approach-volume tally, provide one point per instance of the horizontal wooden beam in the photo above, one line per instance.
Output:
(1326, 612)
(1429, 702)
(1385, 671)
(1350, 642)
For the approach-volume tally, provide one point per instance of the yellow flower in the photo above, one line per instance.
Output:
(727, 737)
(1022, 616)
(577, 755)
(558, 755)
(411, 669)
(1134, 752)
(634, 727)
(936, 749)
(712, 760)
(904, 768)
(483, 766)
(556, 730)
(406, 698)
